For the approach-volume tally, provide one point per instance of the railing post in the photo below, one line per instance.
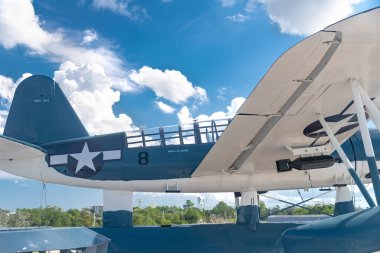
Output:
(197, 134)
(143, 137)
(216, 130)
(207, 136)
(162, 136)
(212, 130)
(180, 135)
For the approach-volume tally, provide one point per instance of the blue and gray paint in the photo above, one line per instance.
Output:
(343, 201)
(355, 232)
(352, 233)
(52, 239)
(39, 100)
(248, 210)
(117, 208)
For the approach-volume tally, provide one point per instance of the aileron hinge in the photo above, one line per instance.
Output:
(328, 42)
(307, 80)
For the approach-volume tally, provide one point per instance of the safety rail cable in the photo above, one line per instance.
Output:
(193, 133)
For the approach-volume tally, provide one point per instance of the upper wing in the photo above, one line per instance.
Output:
(312, 77)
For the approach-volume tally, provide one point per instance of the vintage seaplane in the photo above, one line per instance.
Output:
(303, 126)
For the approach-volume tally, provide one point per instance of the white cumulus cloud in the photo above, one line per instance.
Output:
(169, 84)
(122, 7)
(7, 90)
(185, 116)
(3, 119)
(91, 93)
(227, 3)
(20, 26)
(164, 107)
(25, 29)
(298, 17)
(8, 86)
(89, 36)
(250, 5)
(90, 76)
(239, 18)
(304, 17)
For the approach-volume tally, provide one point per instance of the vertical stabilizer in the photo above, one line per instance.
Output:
(41, 113)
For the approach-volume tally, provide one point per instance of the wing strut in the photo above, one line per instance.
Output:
(345, 159)
(360, 112)
(363, 104)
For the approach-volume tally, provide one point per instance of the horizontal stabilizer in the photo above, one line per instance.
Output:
(16, 155)
(16, 150)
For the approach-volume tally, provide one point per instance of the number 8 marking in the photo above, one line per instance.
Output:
(143, 158)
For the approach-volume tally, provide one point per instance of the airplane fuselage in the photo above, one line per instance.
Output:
(112, 165)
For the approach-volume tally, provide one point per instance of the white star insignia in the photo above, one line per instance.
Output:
(85, 158)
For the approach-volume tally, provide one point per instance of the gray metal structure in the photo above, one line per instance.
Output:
(63, 240)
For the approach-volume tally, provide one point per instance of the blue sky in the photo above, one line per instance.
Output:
(147, 63)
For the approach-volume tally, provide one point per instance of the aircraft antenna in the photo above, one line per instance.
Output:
(299, 193)
(43, 202)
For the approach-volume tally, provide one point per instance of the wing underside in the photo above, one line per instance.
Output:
(312, 77)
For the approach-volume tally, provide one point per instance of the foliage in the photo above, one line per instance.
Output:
(188, 204)
(4, 217)
(49, 216)
(308, 210)
(189, 214)
(159, 215)
(167, 215)
(223, 210)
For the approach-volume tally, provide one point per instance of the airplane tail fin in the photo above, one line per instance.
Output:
(41, 113)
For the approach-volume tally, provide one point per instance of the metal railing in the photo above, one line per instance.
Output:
(193, 133)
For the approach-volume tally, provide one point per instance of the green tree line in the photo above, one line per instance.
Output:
(158, 215)
(188, 214)
(48, 216)
(307, 210)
